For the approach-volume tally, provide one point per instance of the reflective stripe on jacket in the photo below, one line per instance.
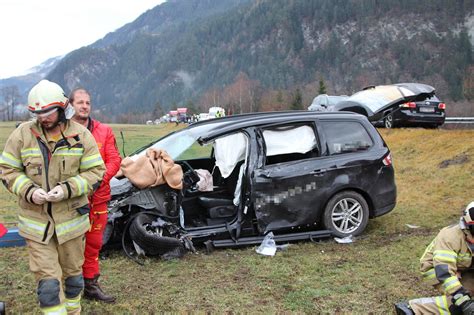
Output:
(105, 140)
(447, 255)
(29, 163)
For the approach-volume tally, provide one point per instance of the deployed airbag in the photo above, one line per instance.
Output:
(228, 151)
(294, 140)
(154, 168)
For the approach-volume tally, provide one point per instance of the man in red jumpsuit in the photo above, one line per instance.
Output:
(80, 100)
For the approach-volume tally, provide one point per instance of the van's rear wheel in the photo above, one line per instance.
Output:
(346, 213)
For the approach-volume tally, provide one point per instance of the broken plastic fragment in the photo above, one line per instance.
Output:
(268, 246)
(411, 226)
(138, 249)
(188, 243)
(344, 240)
(282, 247)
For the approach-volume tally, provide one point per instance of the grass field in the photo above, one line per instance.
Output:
(434, 174)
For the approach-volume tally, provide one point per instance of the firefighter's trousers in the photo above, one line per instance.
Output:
(58, 273)
(441, 304)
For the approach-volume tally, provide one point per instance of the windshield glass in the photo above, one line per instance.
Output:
(177, 142)
(433, 98)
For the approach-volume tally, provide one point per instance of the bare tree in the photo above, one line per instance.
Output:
(3, 113)
(11, 96)
(243, 94)
(209, 98)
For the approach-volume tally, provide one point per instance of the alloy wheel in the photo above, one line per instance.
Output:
(347, 215)
(388, 121)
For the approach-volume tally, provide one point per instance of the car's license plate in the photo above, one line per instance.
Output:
(426, 109)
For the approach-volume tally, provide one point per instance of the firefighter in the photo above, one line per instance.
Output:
(52, 164)
(81, 101)
(446, 264)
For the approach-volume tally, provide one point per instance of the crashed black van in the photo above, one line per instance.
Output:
(300, 174)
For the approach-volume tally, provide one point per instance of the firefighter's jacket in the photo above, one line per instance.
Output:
(447, 256)
(29, 162)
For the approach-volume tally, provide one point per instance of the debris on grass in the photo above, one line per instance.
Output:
(411, 226)
(282, 247)
(344, 240)
(458, 159)
(268, 246)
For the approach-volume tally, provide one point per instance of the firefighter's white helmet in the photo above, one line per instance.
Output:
(468, 214)
(46, 95)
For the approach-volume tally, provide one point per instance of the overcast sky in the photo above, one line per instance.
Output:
(31, 31)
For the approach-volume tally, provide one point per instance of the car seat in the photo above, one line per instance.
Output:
(222, 208)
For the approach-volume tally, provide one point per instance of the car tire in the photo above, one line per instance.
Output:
(388, 121)
(149, 239)
(340, 219)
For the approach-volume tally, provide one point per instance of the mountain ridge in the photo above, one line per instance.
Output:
(199, 53)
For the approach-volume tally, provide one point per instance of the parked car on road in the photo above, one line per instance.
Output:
(322, 102)
(382, 101)
(429, 113)
(300, 174)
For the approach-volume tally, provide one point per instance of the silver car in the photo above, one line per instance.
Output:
(324, 102)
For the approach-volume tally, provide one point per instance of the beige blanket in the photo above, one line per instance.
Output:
(153, 169)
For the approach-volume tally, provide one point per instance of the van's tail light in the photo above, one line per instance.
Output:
(387, 161)
(442, 106)
(408, 105)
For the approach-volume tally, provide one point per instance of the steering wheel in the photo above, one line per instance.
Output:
(190, 177)
(187, 165)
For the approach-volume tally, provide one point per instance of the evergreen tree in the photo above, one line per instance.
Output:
(157, 111)
(280, 97)
(322, 87)
(297, 103)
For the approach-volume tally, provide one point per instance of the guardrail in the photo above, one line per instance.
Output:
(459, 120)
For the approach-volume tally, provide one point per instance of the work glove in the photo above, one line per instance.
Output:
(56, 194)
(39, 196)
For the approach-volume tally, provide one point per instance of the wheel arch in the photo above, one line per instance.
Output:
(354, 189)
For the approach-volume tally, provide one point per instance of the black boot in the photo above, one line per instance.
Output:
(92, 291)
(403, 308)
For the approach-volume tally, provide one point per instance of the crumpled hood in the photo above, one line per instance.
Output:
(375, 99)
(119, 186)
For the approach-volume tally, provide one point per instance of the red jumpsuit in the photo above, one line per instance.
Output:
(98, 216)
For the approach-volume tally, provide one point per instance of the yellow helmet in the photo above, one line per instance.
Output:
(468, 214)
(46, 95)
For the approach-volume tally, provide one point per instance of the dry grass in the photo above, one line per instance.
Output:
(429, 194)
(378, 269)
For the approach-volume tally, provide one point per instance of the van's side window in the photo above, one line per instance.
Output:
(290, 143)
(345, 137)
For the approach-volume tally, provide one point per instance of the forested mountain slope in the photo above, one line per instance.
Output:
(191, 51)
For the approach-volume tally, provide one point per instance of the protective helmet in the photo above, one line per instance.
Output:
(468, 214)
(46, 95)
